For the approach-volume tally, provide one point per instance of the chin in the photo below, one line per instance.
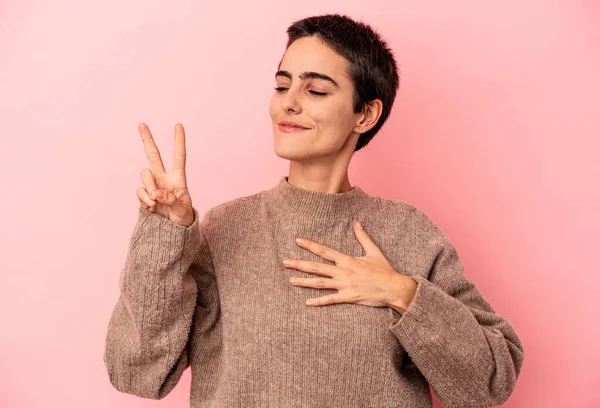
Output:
(290, 151)
(287, 152)
(286, 147)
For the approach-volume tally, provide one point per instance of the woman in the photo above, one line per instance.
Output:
(380, 307)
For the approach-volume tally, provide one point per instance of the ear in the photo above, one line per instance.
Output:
(369, 116)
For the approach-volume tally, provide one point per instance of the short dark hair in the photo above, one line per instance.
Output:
(372, 66)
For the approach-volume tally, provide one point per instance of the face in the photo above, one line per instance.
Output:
(315, 92)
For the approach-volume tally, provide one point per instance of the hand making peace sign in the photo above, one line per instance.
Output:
(166, 193)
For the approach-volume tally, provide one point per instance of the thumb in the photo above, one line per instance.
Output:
(165, 197)
(177, 207)
(365, 240)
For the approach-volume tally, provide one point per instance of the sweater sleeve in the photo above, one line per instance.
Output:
(146, 341)
(470, 355)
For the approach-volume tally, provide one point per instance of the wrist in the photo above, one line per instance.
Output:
(186, 222)
(190, 221)
(404, 295)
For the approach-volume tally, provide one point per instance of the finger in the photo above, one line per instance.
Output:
(318, 283)
(321, 250)
(177, 201)
(151, 150)
(147, 207)
(365, 240)
(145, 198)
(179, 153)
(149, 182)
(317, 268)
(166, 198)
(326, 300)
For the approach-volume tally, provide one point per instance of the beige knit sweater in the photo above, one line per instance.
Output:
(215, 296)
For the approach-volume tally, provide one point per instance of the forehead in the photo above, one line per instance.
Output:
(311, 54)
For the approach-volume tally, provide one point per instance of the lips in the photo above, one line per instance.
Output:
(291, 129)
(290, 124)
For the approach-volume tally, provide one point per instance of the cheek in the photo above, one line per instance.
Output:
(334, 118)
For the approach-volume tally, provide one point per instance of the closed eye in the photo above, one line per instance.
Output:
(280, 89)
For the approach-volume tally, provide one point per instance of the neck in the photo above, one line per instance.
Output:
(327, 185)
(318, 174)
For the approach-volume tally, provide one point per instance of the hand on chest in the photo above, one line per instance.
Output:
(327, 263)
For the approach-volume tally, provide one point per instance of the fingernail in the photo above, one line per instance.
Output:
(149, 202)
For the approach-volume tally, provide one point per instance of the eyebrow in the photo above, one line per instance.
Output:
(307, 75)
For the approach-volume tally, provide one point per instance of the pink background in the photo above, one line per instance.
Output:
(494, 134)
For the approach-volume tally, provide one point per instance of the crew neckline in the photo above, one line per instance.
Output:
(289, 199)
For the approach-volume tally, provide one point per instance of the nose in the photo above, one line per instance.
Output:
(290, 102)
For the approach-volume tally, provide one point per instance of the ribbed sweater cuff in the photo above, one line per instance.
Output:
(169, 231)
(426, 310)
